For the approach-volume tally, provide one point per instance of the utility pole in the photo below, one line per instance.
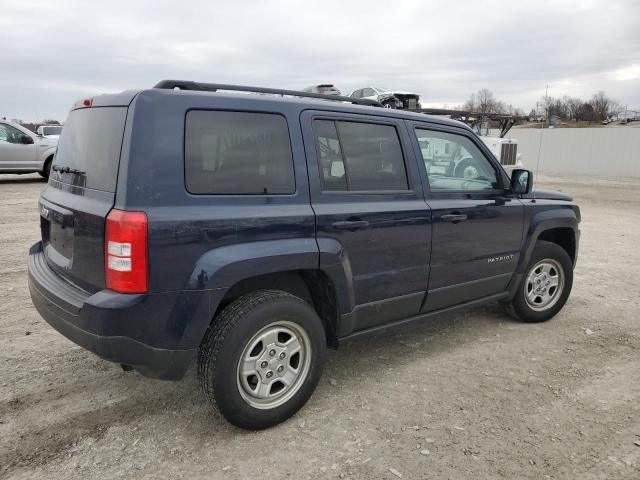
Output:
(546, 105)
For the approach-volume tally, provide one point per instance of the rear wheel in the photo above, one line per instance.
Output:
(545, 286)
(261, 359)
(46, 168)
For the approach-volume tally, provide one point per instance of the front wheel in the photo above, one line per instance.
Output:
(46, 169)
(469, 169)
(545, 286)
(262, 358)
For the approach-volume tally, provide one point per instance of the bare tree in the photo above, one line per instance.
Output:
(588, 113)
(615, 109)
(574, 105)
(471, 104)
(486, 101)
(600, 103)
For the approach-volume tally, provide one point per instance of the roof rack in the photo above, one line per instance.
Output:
(214, 87)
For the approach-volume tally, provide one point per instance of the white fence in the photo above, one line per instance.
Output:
(610, 152)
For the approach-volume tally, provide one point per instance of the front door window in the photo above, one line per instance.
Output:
(454, 163)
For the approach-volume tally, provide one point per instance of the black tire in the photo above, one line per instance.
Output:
(519, 307)
(46, 168)
(468, 162)
(226, 341)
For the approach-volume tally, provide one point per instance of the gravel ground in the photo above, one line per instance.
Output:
(470, 395)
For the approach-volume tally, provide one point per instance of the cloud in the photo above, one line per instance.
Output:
(60, 51)
(632, 72)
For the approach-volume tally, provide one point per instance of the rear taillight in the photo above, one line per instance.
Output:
(125, 261)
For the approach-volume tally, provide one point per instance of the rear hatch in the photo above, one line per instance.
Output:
(80, 194)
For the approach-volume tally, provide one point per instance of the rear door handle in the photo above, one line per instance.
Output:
(453, 217)
(350, 224)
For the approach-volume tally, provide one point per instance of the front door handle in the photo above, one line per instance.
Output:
(350, 224)
(453, 217)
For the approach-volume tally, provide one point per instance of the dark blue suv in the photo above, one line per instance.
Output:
(252, 231)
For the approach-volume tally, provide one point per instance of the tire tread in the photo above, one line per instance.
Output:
(517, 308)
(220, 328)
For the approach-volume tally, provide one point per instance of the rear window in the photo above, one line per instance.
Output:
(90, 146)
(238, 153)
(51, 130)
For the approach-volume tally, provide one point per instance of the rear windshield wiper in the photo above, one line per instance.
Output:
(60, 169)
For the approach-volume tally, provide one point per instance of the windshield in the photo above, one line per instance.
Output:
(89, 148)
(382, 90)
(51, 130)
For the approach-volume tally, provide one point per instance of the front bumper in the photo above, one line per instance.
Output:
(157, 334)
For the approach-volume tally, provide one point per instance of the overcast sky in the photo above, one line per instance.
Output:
(54, 52)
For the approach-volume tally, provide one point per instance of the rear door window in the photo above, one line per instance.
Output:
(358, 156)
(238, 153)
(330, 156)
(90, 147)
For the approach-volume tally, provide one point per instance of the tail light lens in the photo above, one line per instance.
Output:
(126, 268)
(84, 103)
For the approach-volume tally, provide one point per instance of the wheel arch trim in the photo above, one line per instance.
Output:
(224, 267)
(545, 221)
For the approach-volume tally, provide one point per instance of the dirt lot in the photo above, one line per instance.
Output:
(470, 395)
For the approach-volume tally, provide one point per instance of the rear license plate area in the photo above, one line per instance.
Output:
(61, 238)
(57, 231)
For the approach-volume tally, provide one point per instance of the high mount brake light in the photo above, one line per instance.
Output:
(125, 262)
(84, 103)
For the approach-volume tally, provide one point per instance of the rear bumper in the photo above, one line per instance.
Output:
(157, 334)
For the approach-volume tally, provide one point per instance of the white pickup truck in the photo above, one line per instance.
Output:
(22, 151)
(49, 131)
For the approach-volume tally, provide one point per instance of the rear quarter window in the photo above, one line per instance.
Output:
(242, 153)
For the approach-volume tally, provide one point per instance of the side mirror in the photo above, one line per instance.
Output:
(521, 181)
(26, 139)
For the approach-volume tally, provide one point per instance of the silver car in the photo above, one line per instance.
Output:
(22, 151)
(323, 89)
(388, 98)
(49, 131)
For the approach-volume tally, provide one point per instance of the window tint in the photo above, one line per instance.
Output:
(91, 143)
(330, 156)
(368, 92)
(357, 94)
(359, 156)
(453, 162)
(238, 153)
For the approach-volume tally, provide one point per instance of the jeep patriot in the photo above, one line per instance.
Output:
(251, 232)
